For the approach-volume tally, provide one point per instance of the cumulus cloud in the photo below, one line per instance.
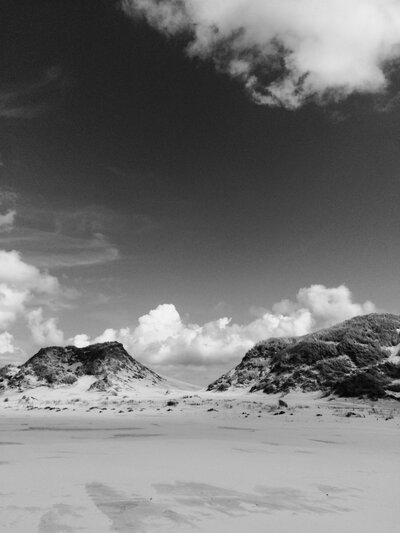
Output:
(21, 286)
(7, 343)
(12, 303)
(287, 51)
(20, 283)
(82, 340)
(163, 338)
(44, 332)
(16, 272)
(330, 306)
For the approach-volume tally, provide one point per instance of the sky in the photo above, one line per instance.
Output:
(189, 177)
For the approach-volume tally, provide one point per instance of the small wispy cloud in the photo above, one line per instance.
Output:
(287, 52)
(57, 238)
(49, 249)
(32, 98)
(7, 220)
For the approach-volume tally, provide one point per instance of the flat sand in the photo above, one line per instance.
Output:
(211, 463)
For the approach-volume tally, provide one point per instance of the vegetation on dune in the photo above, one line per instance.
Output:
(253, 365)
(304, 352)
(108, 362)
(350, 359)
(390, 369)
(380, 327)
(330, 370)
(369, 383)
(362, 354)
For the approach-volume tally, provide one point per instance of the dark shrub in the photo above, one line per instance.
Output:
(390, 369)
(287, 384)
(69, 379)
(50, 377)
(269, 388)
(330, 370)
(218, 386)
(361, 354)
(41, 371)
(369, 383)
(270, 347)
(303, 353)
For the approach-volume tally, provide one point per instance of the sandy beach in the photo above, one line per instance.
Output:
(210, 463)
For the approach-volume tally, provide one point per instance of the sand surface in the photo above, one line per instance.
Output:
(211, 463)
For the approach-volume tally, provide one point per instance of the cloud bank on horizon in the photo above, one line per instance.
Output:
(163, 338)
(287, 52)
(31, 297)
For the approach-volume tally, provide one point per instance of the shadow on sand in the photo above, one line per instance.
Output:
(184, 503)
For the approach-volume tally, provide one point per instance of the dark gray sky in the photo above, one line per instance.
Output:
(140, 176)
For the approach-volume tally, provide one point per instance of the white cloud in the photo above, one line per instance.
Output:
(7, 343)
(81, 340)
(44, 332)
(163, 338)
(15, 272)
(329, 306)
(287, 51)
(109, 335)
(12, 303)
(20, 284)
